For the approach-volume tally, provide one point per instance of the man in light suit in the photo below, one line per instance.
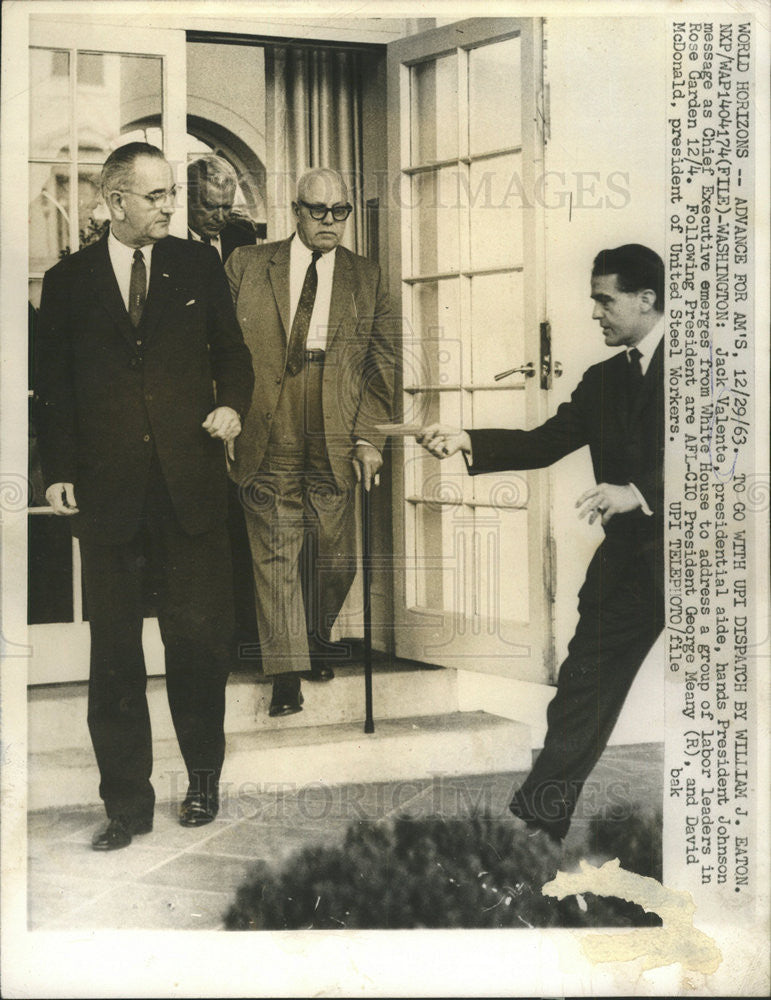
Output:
(134, 333)
(316, 315)
(618, 411)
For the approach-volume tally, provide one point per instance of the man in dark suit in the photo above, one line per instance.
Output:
(134, 332)
(618, 411)
(211, 191)
(317, 317)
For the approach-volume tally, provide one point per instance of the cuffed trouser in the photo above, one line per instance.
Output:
(301, 526)
(191, 575)
(621, 613)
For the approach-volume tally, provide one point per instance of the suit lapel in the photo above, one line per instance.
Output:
(161, 277)
(651, 381)
(278, 274)
(107, 293)
(342, 302)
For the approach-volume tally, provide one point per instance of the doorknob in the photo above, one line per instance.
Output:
(527, 370)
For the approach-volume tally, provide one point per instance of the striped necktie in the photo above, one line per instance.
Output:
(295, 358)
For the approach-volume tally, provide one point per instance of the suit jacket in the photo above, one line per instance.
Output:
(110, 394)
(626, 446)
(358, 380)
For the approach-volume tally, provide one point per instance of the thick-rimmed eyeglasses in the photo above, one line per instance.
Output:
(156, 198)
(319, 212)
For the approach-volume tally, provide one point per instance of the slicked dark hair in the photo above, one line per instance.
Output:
(119, 165)
(636, 268)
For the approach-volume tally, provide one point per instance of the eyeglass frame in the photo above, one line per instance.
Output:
(156, 199)
(328, 209)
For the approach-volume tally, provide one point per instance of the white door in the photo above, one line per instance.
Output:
(466, 157)
(92, 88)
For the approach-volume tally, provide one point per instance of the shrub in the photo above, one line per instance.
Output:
(475, 871)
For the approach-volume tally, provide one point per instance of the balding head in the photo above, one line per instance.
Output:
(322, 185)
(321, 194)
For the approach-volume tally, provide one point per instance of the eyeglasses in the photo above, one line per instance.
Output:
(156, 198)
(319, 212)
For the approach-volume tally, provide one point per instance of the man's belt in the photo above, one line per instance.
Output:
(314, 355)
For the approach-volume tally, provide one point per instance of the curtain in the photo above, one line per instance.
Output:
(313, 99)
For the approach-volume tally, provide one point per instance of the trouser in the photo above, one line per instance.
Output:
(621, 614)
(301, 526)
(191, 575)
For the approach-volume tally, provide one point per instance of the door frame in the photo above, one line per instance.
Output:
(60, 651)
(533, 659)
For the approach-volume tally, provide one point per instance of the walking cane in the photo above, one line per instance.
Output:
(369, 722)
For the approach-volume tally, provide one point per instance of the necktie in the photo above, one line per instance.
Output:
(302, 318)
(206, 240)
(635, 376)
(137, 288)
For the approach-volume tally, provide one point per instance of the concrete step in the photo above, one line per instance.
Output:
(57, 713)
(294, 756)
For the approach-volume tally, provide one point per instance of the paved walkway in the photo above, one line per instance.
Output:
(177, 878)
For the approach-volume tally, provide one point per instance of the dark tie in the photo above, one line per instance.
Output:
(137, 288)
(206, 240)
(635, 379)
(302, 318)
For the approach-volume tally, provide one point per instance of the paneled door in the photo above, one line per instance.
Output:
(472, 580)
(92, 87)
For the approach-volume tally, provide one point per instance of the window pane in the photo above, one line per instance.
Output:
(442, 549)
(500, 409)
(49, 104)
(435, 222)
(433, 356)
(501, 563)
(49, 225)
(497, 327)
(497, 200)
(495, 81)
(434, 112)
(93, 214)
(435, 308)
(118, 98)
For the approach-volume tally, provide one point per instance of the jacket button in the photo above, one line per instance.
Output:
(146, 438)
(268, 415)
(278, 380)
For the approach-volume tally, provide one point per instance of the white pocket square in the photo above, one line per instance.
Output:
(190, 303)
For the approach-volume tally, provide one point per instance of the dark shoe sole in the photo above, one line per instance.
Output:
(319, 676)
(197, 819)
(117, 844)
(277, 711)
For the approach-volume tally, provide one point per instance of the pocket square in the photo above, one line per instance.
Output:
(190, 303)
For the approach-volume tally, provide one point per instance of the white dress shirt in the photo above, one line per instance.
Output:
(299, 259)
(647, 346)
(122, 260)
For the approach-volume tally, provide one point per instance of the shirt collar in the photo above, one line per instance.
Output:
(303, 255)
(647, 346)
(120, 251)
(199, 239)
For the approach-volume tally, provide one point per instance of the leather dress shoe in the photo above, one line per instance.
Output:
(119, 831)
(320, 671)
(287, 697)
(198, 808)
